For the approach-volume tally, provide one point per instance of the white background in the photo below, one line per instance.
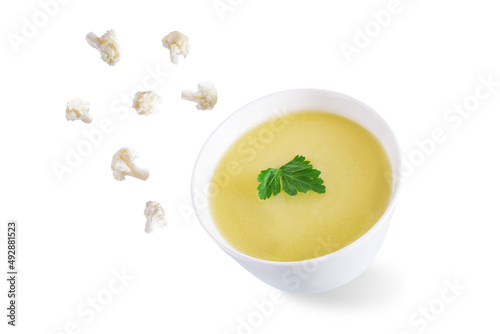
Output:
(75, 232)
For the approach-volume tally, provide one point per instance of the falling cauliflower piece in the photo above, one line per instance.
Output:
(107, 45)
(155, 216)
(123, 164)
(146, 102)
(178, 44)
(206, 96)
(78, 109)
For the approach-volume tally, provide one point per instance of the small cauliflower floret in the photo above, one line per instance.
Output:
(146, 102)
(78, 109)
(155, 216)
(123, 164)
(107, 45)
(178, 44)
(206, 96)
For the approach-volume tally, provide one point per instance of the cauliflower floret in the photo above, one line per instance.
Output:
(107, 45)
(178, 44)
(146, 102)
(206, 96)
(78, 109)
(155, 216)
(123, 164)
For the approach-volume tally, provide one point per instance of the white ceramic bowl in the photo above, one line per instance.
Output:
(321, 273)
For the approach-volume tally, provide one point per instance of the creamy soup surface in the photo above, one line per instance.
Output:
(356, 173)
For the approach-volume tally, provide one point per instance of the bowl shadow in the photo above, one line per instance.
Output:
(377, 285)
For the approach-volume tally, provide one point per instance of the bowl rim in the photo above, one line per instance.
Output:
(384, 218)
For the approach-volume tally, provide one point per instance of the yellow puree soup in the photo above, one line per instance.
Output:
(353, 165)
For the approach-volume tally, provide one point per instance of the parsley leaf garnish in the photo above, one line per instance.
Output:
(295, 176)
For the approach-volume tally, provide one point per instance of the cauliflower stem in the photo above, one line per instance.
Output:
(139, 172)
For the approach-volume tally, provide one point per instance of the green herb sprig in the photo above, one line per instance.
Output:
(295, 176)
